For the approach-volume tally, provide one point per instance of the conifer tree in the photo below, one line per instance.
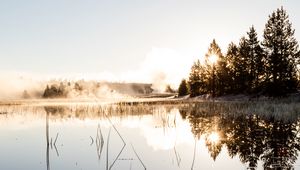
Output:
(195, 81)
(235, 68)
(218, 81)
(281, 54)
(183, 89)
(255, 61)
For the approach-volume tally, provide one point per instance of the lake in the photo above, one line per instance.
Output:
(149, 136)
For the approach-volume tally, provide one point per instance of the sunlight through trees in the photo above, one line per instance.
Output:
(251, 67)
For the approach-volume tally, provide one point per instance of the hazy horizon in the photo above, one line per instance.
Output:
(119, 40)
(137, 41)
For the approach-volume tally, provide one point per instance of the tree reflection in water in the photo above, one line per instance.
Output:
(250, 136)
(273, 140)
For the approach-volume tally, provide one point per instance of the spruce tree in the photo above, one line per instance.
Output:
(235, 68)
(218, 71)
(281, 54)
(250, 53)
(183, 89)
(255, 62)
(195, 81)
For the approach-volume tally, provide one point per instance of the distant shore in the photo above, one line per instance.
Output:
(151, 99)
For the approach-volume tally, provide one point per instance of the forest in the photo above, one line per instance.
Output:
(269, 67)
(81, 88)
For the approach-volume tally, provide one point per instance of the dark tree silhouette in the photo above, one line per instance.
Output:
(195, 80)
(251, 55)
(217, 73)
(183, 88)
(250, 68)
(237, 68)
(275, 141)
(282, 144)
(256, 61)
(281, 54)
(247, 135)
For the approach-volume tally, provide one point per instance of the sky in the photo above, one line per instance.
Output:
(124, 39)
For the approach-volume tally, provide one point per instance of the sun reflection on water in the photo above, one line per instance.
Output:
(214, 137)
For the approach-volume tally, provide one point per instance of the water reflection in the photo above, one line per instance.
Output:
(249, 136)
(49, 111)
(47, 140)
(161, 136)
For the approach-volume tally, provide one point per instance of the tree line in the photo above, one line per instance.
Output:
(268, 67)
(81, 88)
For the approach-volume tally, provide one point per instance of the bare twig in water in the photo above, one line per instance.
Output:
(124, 143)
(194, 154)
(56, 150)
(55, 139)
(107, 148)
(92, 140)
(138, 157)
(117, 157)
(51, 143)
(54, 144)
(101, 137)
(97, 139)
(115, 129)
(47, 157)
(99, 142)
(178, 159)
(47, 140)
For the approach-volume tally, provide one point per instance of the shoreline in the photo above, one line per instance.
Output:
(293, 98)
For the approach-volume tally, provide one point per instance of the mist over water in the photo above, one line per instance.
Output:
(161, 67)
(13, 85)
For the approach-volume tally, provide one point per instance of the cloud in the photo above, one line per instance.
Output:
(162, 66)
(160, 131)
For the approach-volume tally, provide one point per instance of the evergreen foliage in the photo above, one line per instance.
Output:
(183, 88)
(252, 67)
(195, 80)
(281, 54)
(218, 81)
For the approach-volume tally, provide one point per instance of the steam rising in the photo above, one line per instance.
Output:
(160, 67)
(13, 85)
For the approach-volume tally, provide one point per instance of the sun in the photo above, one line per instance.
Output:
(214, 137)
(213, 59)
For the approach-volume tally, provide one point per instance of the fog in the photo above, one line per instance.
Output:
(160, 67)
(13, 85)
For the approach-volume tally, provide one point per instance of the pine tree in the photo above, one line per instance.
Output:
(281, 54)
(255, 61)
(46, 92)
(195, 81)
(183, 89)
(235, 68)
(218, 81)
(250, 53)
(244, 65)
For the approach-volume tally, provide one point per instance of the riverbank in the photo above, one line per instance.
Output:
(153, 100)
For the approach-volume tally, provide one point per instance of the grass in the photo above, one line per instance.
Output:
(284, 108)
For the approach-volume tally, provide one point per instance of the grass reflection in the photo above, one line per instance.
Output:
(253, 132)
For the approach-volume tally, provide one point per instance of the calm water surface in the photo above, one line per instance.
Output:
(166, 137)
